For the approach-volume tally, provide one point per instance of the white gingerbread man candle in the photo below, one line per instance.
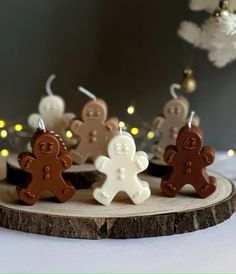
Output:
(174, 117)
(52, 111)
(121, 169)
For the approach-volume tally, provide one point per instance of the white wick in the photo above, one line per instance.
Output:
(120, 130)
(41, 125)
(191, 119)
(173, 87)
(87, 92)
(48, 84)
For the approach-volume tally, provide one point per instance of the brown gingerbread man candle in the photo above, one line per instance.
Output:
(189, 160)
(49, 158)
(94, 130)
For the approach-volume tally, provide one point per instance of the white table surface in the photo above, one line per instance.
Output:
(209, 250)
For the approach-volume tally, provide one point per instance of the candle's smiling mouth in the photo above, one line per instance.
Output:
(190, 143)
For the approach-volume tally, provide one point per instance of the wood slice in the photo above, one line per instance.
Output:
(83, 217)
(158, 168)
(82, 176)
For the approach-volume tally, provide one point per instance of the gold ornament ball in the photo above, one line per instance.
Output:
(188, 83)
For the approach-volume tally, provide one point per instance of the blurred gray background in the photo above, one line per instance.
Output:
(123, 50)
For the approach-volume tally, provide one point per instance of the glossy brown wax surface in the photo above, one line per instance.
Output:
(189, 159)
(94, 131)
(49, 158)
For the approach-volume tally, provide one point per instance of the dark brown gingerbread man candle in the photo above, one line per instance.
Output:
(49, 158)
(189, 159)
(94, 131)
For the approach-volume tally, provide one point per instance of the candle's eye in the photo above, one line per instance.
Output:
(177, 110)
(98, 112)
(90, 113)
(42, 146)
(51, 146)
(194, 141)
(117, 147)
(171, 110)
(126, 147)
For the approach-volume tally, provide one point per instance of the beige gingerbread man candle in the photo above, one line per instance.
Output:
(52, 111)
(168, 125)
(94, 130)
(121, 169)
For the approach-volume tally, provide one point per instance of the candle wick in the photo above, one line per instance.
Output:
(41, 125)
(120, 130)
(173, 88)
(87, 92)
(48, 84)
(191, 119)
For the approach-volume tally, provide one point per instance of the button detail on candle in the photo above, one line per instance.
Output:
(122, 149)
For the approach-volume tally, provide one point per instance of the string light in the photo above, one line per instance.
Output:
(4, 152)
(18, 127)
(3, 133)
(2, 123)
(121, 124)
(69, 134)
(134, 130)
(230, 153)
(150, 134)
(131, 110)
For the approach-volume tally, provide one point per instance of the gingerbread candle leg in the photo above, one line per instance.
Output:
(30, 194)
(205, 186)
(138, 192)
(105, 194)
(63, 190)
(170, 185)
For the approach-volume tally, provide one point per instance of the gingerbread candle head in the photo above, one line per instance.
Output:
(189, 160)
(46, 164)
(51, 109)
(94, 131)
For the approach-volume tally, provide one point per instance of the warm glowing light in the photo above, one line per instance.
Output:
(230, 153)
(4, 152)
(150, 134)
(2, 123)
(69, 134)
(121, 124)
(18, 127)
(3, 133)
(134, 130)
(131, 110)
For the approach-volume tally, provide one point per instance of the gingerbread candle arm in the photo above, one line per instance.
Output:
(141, 160)
(75, 126)
(112, 124)
(33, 120)
(102, 163)
(170, 154)
(67, 118)
(66, 161)
(26, 161)
(158, 121)
(208, 154)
